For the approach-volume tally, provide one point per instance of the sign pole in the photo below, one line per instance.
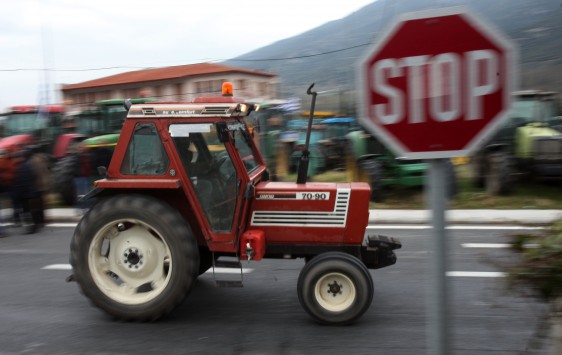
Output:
(437, 310)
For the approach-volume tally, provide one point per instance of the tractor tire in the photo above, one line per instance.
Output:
(134, 257)
(335, 288)
(499, 173)
(374, 169)
(63, 176)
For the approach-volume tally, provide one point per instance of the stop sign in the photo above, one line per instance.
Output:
(436, 84)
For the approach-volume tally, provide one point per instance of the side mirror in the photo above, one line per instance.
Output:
(102, 171)
(127, 104)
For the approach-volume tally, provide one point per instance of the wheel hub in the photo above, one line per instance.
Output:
(334, 288)
(133, 258)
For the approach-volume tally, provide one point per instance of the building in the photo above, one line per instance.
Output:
(177, 83)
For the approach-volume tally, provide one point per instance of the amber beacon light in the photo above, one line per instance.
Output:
(227, 89)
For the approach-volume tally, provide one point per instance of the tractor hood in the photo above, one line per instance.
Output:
(320, 213)
(527, 135)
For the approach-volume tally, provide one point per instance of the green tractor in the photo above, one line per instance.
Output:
(99, 128)
(529, 144)
(368, 160)
(106, 116)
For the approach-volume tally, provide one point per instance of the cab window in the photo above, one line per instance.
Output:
(145, 154)
(242, 143)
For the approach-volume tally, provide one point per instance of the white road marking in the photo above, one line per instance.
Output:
(486, 245)
(495, 245)
(475, 274)
(57, 267)
(59, 225)
(222, 270)
(453, 227)
(218, 270)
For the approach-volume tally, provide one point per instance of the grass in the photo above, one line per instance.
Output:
(526, 194)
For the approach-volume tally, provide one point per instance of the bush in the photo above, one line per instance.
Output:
(540, 265)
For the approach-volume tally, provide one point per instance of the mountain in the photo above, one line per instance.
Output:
(328, 54)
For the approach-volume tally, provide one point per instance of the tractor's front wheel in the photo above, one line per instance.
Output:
(335, 288)
(134, 257)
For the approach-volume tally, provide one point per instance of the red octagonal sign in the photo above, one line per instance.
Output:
(437, 84)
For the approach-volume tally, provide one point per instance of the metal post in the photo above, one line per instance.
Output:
(437, 295)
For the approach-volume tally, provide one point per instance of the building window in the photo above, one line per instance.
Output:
(262, 88)
(179, 91)
(241, 84)
(158, 91)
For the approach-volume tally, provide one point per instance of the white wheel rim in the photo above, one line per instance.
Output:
(335, 292)
(130, 262)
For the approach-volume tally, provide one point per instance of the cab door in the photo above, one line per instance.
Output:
(217, 175)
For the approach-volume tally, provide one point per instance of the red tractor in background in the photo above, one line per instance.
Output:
(40, 126)
(187, 190)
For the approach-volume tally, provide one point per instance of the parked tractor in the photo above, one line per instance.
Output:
(369, 160)
(269, 125)
(98, 127)
(187, 191)
(529, 144)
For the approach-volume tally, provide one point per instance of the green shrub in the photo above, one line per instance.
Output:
(540, 266)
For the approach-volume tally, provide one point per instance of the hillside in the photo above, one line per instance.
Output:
(327, 55)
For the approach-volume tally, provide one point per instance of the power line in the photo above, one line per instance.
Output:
(301, 56)
(144, 68)
(73, 70)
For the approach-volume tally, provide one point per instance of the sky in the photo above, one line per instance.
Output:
(78, 40)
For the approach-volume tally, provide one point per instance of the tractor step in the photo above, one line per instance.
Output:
(228, 264)
(228, 283)
(231, 276)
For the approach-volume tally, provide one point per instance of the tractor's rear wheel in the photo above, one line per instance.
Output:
(335, 288)
(498, 176)
(64, 171)
(134, 257)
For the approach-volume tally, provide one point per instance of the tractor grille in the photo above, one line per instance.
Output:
(335, 218)
(548, 148)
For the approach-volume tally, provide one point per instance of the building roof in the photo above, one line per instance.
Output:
(166, 73)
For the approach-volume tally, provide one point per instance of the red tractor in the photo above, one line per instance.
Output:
(187, 190)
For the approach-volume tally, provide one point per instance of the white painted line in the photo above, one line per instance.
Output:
(392, 226)
(218, 270)
(475, 274)
(57, 267)
(495, 245)
(494, 227)
(486, 245)
(452, 227)
(222, 270)
(59, 225)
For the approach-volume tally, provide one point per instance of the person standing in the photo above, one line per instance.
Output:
(5, 181)
(23, 191)
(40, 164)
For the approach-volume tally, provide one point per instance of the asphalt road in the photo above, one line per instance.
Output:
(43, 314)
